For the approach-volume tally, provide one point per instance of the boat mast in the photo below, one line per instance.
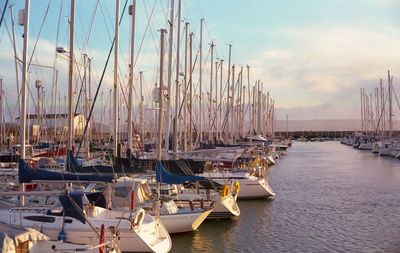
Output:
(177, 86)
(169, 76)
(190, 90)
(228, 128)
(71, 78)
(141, 116)
(102, 112)
(24, 80)
(241, 105)
(185, 86)
(2, 132)
(249, 97)
(132, 12)
(219, 125)
(259, 116)
(161, 94)
(22, 116)
(200, 83)
(390, 105)
(382, 107)
(211, 93)
(215, 119)
(15, 59)
(233, 105)
(115, 109)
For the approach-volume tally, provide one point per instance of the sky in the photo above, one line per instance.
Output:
(312, 56)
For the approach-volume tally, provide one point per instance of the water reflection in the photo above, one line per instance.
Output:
(330, 198)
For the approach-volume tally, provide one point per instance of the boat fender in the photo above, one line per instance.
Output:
(144, 193)
(191, 205)
(236, 188)
(137, 222)
(225, 191)
(62, 236)
(202, 203)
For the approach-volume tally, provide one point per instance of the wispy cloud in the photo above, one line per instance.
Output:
(327, 63)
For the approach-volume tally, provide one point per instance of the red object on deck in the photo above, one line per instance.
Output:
(53, 152)
(102, 249)
(132, 200)
(30, 187)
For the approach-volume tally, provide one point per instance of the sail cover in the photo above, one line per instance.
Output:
(26, 174)
(73, 205)
(164, 176)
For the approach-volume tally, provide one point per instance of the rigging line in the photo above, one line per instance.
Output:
(40, 31)
(105, 21)
(8, 108)
(164, 12)
(54, 85)
(4, 12)
(145, 32)
(89, 32)
(151, 31)
(100, 82)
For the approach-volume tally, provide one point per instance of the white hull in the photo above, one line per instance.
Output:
(224, 207)
(45, 246)
(365, 146)
(140, 239)
(251, 187)
(180, 223)
(385, 152)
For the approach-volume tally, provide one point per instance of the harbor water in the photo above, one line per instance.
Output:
(329, 198)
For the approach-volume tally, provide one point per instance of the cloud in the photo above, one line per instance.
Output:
(326, 64)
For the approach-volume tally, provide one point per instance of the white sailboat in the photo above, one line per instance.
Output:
(137, 192)
(73, 219)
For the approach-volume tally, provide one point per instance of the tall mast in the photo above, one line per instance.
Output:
(273, 119)
(361, 106)
(177, 87)
(190, 90)
(116, 99)
(249, 101)
(382, 109)
(15, 59)
(2, 136)
(253, 110)
(161, 94)
(169, 76)
(24, 79)
(228, 90)
(241, 103)
(390, 79)
(185, 92)
(259, 116)
(211, 93)
(141, 117)
(22, 116)
(71, 78)
(132, 12)
(201, 84)
(233, 105)
(215, 119)
(219, 125)
(102, 112)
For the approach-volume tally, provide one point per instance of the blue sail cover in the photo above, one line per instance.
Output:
(73, 210)
(164, 176)
(26, 174)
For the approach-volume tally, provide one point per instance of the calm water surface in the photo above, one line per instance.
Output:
(329, 198)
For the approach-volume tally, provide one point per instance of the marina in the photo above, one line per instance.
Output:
(346, 201)
(197, 126)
